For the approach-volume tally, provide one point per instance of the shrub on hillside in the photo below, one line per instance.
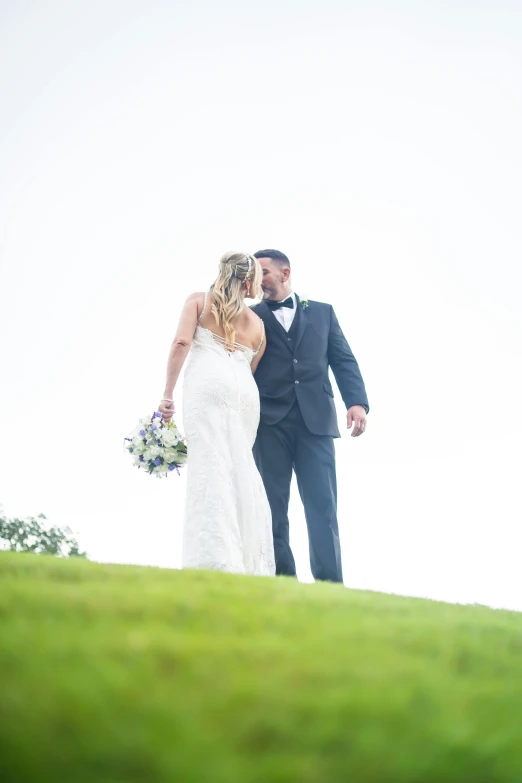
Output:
(33, 534)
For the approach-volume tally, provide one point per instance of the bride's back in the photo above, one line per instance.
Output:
(223, 311)
(247, 326)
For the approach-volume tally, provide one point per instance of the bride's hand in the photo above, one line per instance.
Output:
(166, 408)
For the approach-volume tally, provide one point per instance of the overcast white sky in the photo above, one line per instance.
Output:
(378, 145)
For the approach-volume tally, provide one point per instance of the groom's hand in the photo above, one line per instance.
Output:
(356, 415)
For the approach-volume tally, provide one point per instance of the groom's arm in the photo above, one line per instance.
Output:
(344, 367)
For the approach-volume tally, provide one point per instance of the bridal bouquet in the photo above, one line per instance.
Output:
(157, 446)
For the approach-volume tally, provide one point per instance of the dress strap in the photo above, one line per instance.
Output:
(262, 336)
(204, 307)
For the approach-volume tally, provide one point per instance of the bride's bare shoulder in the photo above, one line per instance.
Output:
(195, 304)
(253, 318)
(197, 299)
(196, 296)
(257, 326)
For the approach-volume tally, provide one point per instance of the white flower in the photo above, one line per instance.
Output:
(152, 452)
(169, 438)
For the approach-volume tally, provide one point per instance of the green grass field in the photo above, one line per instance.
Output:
(114, 674)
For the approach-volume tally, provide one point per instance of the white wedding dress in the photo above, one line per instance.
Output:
(228, 523)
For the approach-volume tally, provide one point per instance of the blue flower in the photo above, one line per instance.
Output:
(153, 427)
(158, 461)
(142, 458)
(142, 432)
(156, 415)
(173, 466)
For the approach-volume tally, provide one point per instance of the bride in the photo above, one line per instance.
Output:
(228, 523)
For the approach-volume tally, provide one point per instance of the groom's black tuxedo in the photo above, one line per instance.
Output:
(298, 424)
(295, 364)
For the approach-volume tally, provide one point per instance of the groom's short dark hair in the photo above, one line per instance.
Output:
(275, 255)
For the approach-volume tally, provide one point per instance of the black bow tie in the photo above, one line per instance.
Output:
(276, 305)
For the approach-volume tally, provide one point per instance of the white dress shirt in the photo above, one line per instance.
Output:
(285, 315)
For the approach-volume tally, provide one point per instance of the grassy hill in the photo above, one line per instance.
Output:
(114, 674)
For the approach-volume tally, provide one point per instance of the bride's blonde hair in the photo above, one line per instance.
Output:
(235, 269)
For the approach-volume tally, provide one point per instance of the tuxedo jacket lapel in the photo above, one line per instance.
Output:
(302, 323)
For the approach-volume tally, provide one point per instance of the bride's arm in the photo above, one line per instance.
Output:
(259, 355)
(179, 350)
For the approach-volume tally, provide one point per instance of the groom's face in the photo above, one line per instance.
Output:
(274, 278)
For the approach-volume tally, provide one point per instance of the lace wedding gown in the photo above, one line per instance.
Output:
(228, 523)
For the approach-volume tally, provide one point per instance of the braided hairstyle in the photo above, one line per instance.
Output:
(227, 290)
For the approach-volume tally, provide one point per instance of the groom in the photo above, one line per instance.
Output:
(298, 418)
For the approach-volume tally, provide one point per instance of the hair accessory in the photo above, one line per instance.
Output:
(249, 267)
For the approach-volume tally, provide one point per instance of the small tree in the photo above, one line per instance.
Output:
(32, 535)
